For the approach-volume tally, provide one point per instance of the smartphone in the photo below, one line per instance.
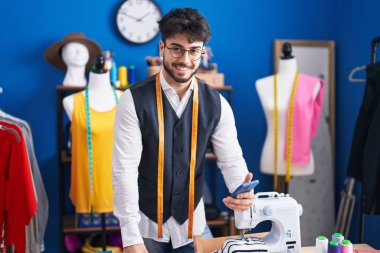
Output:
(246, 187)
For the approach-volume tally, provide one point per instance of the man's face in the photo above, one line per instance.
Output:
(180, 69)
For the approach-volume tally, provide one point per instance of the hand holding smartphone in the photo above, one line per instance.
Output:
(246, 187)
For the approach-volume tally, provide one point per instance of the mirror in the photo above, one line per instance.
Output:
(316, 58)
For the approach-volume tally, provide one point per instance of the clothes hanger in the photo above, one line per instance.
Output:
(375, 42)
(12, 131)
(7, 128)
(353, 72)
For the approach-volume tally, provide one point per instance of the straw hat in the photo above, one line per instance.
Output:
(53, 52)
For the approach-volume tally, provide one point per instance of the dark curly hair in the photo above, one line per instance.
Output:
(188, 21)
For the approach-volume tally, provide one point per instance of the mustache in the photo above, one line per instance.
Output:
(183, 65)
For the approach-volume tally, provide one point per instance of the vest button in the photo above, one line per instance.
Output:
(175, 193)
(178, 150)
(178, 172)
(178, 129)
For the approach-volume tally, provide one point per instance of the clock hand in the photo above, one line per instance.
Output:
(140, 19)
(127, 15)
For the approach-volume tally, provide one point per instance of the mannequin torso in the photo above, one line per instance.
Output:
(101, 95)
(265, 88)
(75, 55)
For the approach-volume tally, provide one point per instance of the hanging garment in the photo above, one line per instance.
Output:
(37, 227)
(364, 162)
(102, 124)
(18, 203)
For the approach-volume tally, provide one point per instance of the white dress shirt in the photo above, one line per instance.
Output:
(126, 159)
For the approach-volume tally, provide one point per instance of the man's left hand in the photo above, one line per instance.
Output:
(242, 201)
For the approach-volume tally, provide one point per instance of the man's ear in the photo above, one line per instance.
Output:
(161, 47)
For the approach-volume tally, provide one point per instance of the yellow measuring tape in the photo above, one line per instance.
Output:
(275, 120)
(289, 132)
(160, 173)
(160, 176)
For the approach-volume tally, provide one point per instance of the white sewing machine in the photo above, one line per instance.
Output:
(283, 211)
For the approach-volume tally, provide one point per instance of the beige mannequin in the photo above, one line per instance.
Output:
(101, 95)
(265, 89)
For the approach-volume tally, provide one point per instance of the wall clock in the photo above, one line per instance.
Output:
(136, 20)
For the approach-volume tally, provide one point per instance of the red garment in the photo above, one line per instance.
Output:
(17, 199)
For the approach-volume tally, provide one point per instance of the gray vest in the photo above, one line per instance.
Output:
(177, 148)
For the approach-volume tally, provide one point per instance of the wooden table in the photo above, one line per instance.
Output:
(214, 244)
(356, 246)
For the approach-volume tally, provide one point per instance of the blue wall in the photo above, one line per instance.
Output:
(357, 25)
(243, 34)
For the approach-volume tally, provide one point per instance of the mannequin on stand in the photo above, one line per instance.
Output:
(92, 113)
(101, 95)
(288, 80)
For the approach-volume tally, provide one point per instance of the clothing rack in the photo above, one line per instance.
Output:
(374, 45)
(23, 158)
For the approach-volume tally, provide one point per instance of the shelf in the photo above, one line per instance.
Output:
(76, 88)
(70, 228)
(224, 88)
(65, 158)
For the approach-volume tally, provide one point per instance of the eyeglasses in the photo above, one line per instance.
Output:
(194, 53)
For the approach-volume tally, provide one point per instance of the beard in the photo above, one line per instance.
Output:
(179, 79)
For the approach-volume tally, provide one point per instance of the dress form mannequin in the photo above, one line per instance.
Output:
(265, 87)
(100, 92)
(75, 55)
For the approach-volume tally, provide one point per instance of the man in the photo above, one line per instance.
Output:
(162, 127)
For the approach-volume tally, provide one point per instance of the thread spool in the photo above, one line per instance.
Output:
(321, 244)
(338, 237)
(131, 74)
(123, 76)
(334, 247)
(113, 73)
(346, 246)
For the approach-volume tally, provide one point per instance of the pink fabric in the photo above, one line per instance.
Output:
(306, 114)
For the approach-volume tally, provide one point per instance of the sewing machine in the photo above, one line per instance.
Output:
(283, 211)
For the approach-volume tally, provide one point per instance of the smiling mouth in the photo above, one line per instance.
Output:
(181, 67)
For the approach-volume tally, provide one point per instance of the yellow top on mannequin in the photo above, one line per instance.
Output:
(102, 114)
(102, 142)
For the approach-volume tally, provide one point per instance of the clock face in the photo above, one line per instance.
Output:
(137, 20)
